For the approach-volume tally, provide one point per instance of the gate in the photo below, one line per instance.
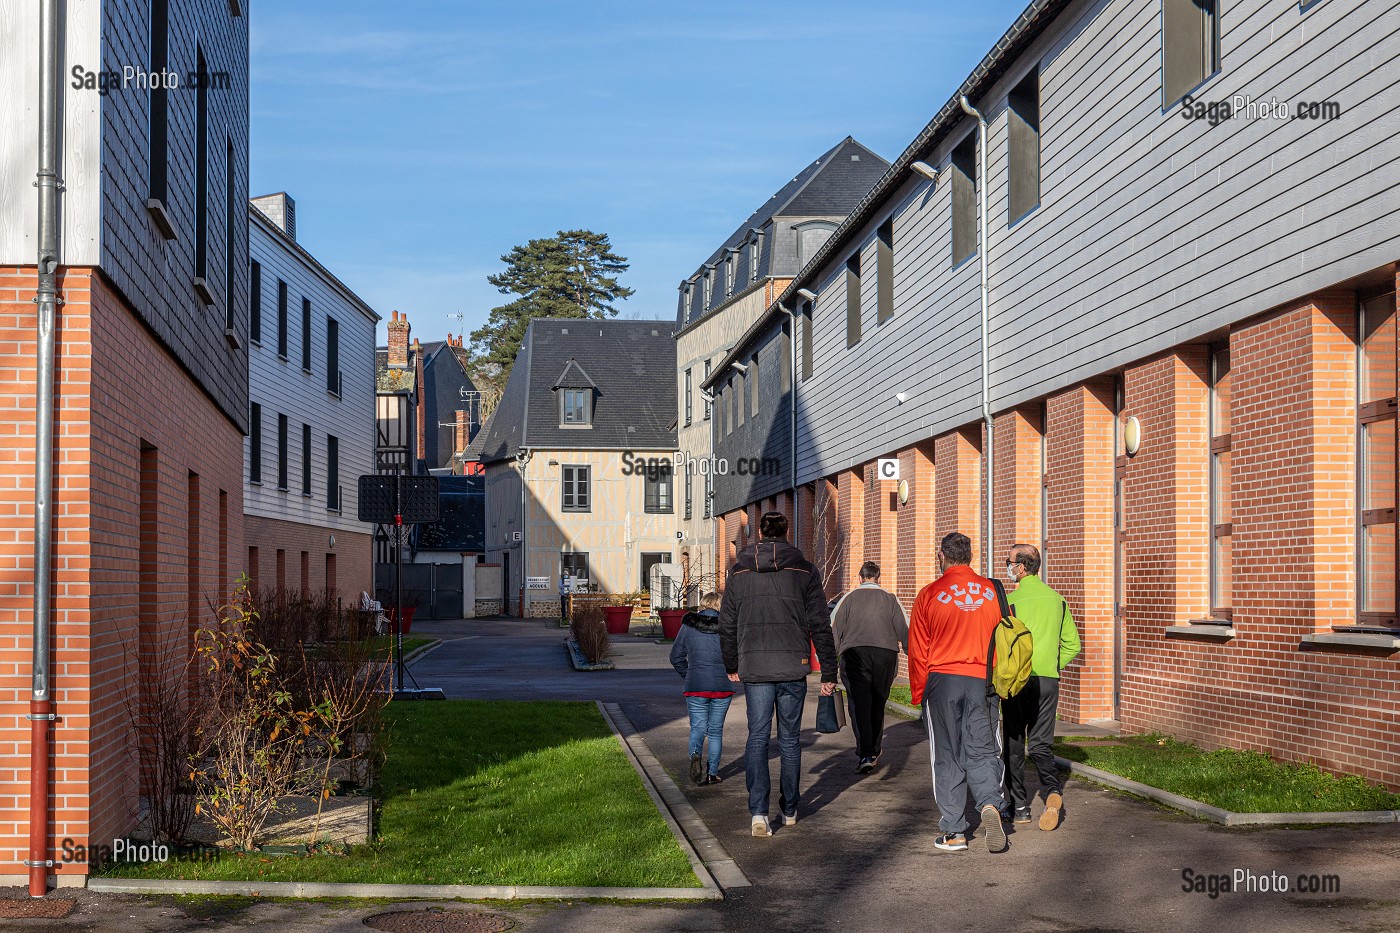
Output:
(435, 588)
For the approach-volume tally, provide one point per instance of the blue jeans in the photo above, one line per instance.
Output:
(787, 698)
(707, 718)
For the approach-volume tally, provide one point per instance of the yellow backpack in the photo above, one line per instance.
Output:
(1008, 652)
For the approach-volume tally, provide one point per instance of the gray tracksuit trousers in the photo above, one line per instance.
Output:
(964, 745)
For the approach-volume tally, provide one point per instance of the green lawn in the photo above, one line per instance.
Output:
(479, 792)
(1243, 782)
(385, 643)
(900, 694)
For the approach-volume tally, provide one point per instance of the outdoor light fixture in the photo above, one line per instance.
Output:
(807, 295)
(903, 491)
(1132, 436)
(742, 367)
(924, 169)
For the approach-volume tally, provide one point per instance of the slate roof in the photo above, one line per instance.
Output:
(393, 380)
(632, 364)
(461, 524)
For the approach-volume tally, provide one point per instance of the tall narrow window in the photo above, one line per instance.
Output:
(708, 405)
(306, 334)
(688, 400)
(1221, 529)
(689, 485)
(964, 195)
(201, 166)
(255, 302)
(306, 459)
(160, 107)
(884, 271)
(754, 257)
(1376, 469)
(709, 494)
(231, 202)
(1023, 147)
(753, 385)
(1190, 46)
(785, 361)
(332, 355)
(282, 319)
(577, 493)
(281, 451)
(739, 399)
(332, 473)
(807, 340)
(658, 492)
(853, 300)
(729, 273)
(254, 443)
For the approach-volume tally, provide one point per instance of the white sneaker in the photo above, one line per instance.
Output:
(759, 826)
(790, 820)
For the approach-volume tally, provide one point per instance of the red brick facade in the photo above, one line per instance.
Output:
(148, 524)
(1127, 539)
(346, 569)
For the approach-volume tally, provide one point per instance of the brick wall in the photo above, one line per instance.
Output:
(117, 391)
(352, 556)
(957, 496)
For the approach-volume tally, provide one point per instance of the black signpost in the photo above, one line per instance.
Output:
(402, 501)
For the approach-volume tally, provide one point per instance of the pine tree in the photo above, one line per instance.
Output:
(571, 275)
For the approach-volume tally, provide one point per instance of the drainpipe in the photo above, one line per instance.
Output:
(522, 459)
(792, 408)
(41, 714)
(986, 375)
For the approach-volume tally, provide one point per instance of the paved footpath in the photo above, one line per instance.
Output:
(861, 856)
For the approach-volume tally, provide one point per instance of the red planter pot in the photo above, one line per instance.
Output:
(619, 618)
(816, 665)
(408, 612)
(671, 622)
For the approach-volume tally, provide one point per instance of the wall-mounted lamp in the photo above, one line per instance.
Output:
(742, 367)
(1132, 436)
(806, 294)
(903, 490)
(554, 463)
(924, 169)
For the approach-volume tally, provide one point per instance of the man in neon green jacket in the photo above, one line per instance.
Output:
(1030, 714)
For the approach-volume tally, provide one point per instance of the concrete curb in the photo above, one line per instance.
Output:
(713, 864)
(439, 892)
(909, 712)
(1217, 814)
(419, 652)
(577, 662)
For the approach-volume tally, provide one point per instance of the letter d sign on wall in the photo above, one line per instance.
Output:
(887, 468)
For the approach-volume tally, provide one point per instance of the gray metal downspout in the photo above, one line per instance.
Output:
(986, 355)
(46, 300)
(522, 457)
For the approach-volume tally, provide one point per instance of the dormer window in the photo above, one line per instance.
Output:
(575, 390)
(576, 409)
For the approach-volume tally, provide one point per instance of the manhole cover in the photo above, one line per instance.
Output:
(439, 921)
(37, 907)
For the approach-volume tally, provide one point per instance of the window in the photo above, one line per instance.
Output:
(689, 486)
(231, 202)
(332, 355)
(729, 273)
(753, 385)
(306, 334)
(707, 289)
(255, 302)
(1190, 46)
(577, 494)
(574, 565)
(306, 459)
(708, 405)
(1221, 529)
(159, 102)
(709, 494)
(964, 194)
(1023, 148)
(282, 319)
(738, 394)
(884, 271)
(282, 452)
(658, 491)
(807, 340)
(575, 407)
(688, 400)
(755, 251)
(255, 443)
(785, 363)
(332, 473)
(1376, 466)
(201, 165)
(695, 292)
(853, 300)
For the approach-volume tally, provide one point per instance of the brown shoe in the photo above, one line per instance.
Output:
(1050, 819)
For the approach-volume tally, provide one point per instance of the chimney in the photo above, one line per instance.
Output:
(281, 210)
(398, 341)
(461, 440)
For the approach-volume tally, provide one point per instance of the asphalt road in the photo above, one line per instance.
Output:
(861, 856)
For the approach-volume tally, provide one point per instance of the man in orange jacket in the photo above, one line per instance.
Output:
(949, 632)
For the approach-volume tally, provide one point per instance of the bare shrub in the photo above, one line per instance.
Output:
(589, 628)
(163, 720)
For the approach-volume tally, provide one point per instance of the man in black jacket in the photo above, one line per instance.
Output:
(774, 610)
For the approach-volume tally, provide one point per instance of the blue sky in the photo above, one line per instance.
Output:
(422, 140)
